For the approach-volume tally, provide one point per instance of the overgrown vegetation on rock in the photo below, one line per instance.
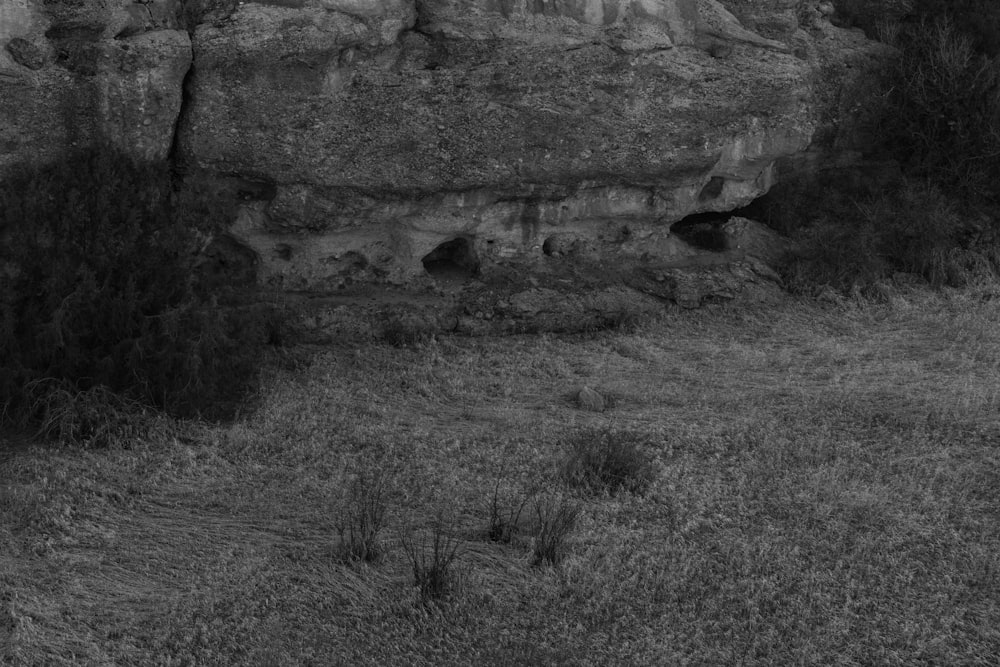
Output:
(98, 268)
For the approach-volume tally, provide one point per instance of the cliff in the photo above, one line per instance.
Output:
(378, 141)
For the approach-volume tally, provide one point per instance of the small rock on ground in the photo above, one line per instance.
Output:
(588, 399)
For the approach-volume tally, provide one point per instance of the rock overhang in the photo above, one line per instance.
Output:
(388, 132)
(374, 132)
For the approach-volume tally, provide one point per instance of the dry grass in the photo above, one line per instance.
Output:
(826, 492)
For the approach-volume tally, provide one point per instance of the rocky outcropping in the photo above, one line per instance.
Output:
(379, 133)
(72, 73)
(403, 141)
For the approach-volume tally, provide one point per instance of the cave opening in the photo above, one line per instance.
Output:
(703, 230)
(453, 259)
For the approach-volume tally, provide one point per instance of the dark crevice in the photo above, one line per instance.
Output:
(454, 258)
(174, 157)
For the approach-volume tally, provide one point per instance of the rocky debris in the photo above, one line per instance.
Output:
(588, 399)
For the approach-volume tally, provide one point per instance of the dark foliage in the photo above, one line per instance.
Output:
(941, 109)
(98, 266)
(979, 20)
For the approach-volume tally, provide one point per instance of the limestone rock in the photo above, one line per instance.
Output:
(73, 74)
(504, 125)
(367, 141)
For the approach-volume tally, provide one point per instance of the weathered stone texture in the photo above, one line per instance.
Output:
(387, 132)
(74, 74)
(355, 137)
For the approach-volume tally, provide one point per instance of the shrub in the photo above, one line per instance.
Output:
(96, 417)
(979, 20)
(363, 519)
(98, 289)
(434, 566)
(872, 15)
(606, 460)
(856, 242)
(401, 328)
(940, 113)
(557, 518)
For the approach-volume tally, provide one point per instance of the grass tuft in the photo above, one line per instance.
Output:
(363, 519)
(603, 460)
(435, 564)
(557, 518)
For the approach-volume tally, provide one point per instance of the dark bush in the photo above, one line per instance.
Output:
(979, 20)
(941, 109)
(858, 237)
(607, 460)
(98, 275)
(933, 107)
(872, 16)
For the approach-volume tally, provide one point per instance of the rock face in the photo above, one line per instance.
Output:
(75, 72)
(383, 132)
(373, 141)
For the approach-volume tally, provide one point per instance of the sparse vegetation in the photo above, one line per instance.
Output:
(435, 566)
(96, 417)
(506, 511)
(607, 460)
(361, 521)
(556, 519)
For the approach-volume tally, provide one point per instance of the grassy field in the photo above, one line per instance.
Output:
(824, 490)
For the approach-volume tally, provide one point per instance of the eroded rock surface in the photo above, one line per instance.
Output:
(384, 132)
(73, 73)
(400, 142)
